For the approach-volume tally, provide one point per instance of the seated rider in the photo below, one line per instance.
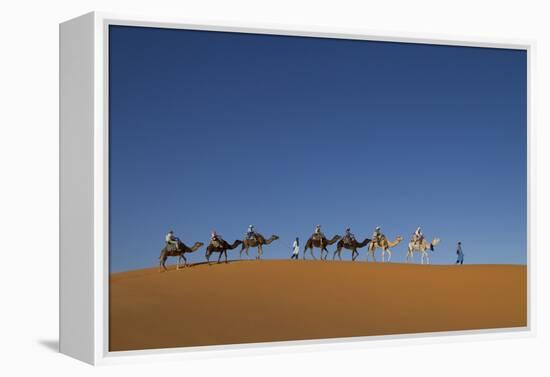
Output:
(350, 237)
(317, 234)
(171, 239)
(215, 238)
(377, 235)
(251, 232)
(418, 236)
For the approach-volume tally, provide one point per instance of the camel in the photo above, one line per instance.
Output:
(180, 253)
(258, 241)
(221, 248)
(320, 243)
(385, 245)
(353, 246)
(422, 248)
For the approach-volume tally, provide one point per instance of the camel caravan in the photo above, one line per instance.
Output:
(174, 247)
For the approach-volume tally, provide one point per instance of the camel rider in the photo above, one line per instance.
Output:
(251, 232)
(377, 235)
(418, 236)
(350, 237)
(215, 238)
(317, 234)
(171, 239)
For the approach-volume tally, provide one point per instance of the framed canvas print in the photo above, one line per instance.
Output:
(224, 186)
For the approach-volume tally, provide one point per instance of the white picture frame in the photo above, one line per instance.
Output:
(84, 200)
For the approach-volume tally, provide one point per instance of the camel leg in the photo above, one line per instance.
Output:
(225, 254)
(389, 255)
(323, 249)
(409, 256)
(312, 255)
(220, 257)
(184, 260)
(371, 254)
(260, 252)
(305, 251)
(178, 263)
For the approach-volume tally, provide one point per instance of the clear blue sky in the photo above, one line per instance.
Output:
(213, 130)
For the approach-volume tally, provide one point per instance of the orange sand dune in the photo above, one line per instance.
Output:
(275, 300)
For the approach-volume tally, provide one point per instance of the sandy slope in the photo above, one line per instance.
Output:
(250, 301)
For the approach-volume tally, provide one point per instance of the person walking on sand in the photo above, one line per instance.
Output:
(295, 249)
(459, 254)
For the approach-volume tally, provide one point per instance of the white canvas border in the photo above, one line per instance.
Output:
(101, 205)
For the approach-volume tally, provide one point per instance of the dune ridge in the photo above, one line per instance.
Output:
(278, 300)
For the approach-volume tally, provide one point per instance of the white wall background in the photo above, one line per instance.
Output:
(29, 183)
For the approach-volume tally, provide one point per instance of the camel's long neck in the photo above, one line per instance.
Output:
(333, 240)
(234, 245)
(364, 243)
(195, 247)
(393, 243)
(270, 239)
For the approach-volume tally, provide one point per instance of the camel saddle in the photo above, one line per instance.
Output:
(216, 242)
(170, 247)
(347, 240)
(418, 241)
(317, 236)
(378, 240)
